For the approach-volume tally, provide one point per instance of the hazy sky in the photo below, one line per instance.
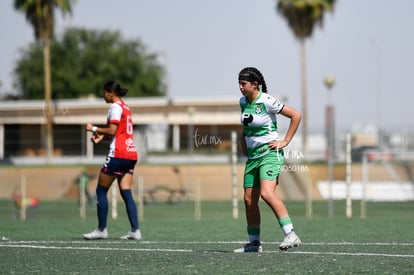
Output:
(367, 45)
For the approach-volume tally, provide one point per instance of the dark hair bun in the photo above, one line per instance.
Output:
(122, 92)
(115, 87)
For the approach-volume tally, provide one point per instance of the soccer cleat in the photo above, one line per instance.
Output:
(132, 235)
(254, 246)
(96, 234)
(291, 240)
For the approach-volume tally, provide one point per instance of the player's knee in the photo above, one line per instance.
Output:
(248, 201)
(266, 195)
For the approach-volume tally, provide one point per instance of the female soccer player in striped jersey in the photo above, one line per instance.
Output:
(264, 150)
(120, 161)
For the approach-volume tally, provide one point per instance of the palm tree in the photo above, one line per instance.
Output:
(40, 14)
(302, 16)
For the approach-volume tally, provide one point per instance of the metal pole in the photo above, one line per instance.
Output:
(309, 210)
(364, 185)
(234, 173)
(82, 195)
(330, 166)
(114, 202)
(141, 197)
(89, 144)
(23, 198)
(304, 94)
(2, 139)
(190, 148)
(329, 82)
(348, 211)
(197, 200)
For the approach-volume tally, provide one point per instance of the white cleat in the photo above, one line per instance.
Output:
(254, 246)
(291, 240)
(96, 234)
(132, 235)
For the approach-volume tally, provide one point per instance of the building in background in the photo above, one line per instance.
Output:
(162, 126)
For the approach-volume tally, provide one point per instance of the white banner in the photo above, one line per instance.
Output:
(374, 191)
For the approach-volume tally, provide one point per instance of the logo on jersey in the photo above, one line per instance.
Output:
(130, 146)
(269, 173)
(247, 118)
(277, 103)
(258, 108)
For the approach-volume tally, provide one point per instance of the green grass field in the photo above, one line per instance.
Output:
(49, 241)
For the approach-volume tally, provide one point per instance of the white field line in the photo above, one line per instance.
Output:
(108, 241)
(45, 245)
(94, 248)
(353, 254)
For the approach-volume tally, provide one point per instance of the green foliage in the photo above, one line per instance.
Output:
(302, 15)
(82, 60)
(41, 16)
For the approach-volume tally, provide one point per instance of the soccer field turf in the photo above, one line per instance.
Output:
(50, 241)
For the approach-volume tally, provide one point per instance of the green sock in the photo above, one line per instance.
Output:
(253, 233)
(286, 225)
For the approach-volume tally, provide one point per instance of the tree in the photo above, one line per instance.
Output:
(40, 14)
(302, 16)
(88, 58)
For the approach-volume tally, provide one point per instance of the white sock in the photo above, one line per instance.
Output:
(287, 228)
(253, 238)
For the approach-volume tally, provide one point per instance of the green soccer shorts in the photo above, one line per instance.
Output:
(267, 167)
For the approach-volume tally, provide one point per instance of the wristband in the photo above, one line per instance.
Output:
(94, 128)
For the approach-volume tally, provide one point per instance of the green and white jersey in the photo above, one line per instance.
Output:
(259, 123)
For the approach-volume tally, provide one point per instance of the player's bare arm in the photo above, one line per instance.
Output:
(295, 118)
(110, 130)
(242, 144)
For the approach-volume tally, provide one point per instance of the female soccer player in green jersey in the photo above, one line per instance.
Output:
(264, 150)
